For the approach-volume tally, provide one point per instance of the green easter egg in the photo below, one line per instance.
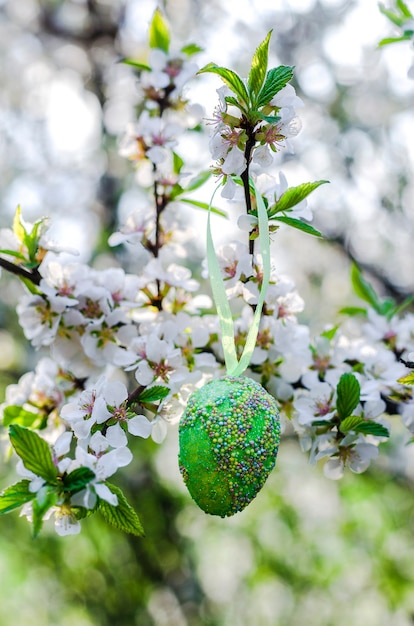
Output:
(229, 437)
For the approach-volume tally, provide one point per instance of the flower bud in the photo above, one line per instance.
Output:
(229, 437)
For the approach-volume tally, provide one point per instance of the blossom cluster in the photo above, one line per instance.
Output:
(231, 135)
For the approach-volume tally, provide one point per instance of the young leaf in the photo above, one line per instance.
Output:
(45, 498)
(34, 452)
(405, 11)
(407, 380)
(299, 224)
(159, 36)
(396, 19)
(191, 49)
(177, 163)
(372, 428)
(258, 70)
(276, 79)
(78, 479)
(292, 196)
(121, 516)
(230, 78)
(364, 289)
(330, 333)
(353, 310)
(152, 394)
(350, 423)
(18, 227)
(14, 496)
(32, 239)
(348, 395)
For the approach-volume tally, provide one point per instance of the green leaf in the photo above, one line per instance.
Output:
(78, 479)
(17, 255)
(45, 498)
(270, 119)
(276, 79)
(17, 414)
(348, 394)
(397, 309)
(80, 512)
(322, 423)
(233, 101)
(199, 180)
(404, 9)
(407, 380)
(389, 40)
(139, 66)
(258, 70)
(364, 289)
(203, 205)
(353, 310)
(292, 196)
(177, 163)
(230, 78)
(34, 452)
(152, 394)
(350, 423)
(372, 428)
(30, 286)
(32, 239)
(330, 333)
(396, 19)
(387, 306)
(299, 224)
(14, 496)
(175, 192)
(159, 35)
(191, 49)
(121, 516)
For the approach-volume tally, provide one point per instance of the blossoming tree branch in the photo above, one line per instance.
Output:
(125, 352)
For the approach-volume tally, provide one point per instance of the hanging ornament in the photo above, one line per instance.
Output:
(229, 433)
(229, 438)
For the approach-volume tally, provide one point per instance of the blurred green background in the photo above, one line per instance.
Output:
(307, 551)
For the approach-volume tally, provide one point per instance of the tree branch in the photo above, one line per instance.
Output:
(32, 275)
(391, 289)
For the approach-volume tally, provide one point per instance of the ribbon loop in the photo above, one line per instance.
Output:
(234, 366)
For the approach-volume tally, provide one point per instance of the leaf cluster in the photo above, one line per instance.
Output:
(26, 259)
(261, 86)
(398, 17)
(160, 39)
(58, 488)
(348, 392)
(386, 307)
(289, 199)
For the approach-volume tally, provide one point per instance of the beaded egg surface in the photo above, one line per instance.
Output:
(229, 437)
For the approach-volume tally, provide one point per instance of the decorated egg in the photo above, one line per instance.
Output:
(229, 437)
